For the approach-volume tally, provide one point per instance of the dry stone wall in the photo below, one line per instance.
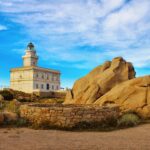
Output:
(66, 115)
(52, 94)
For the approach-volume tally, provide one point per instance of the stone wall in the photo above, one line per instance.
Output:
(52, 94)
(66, 115)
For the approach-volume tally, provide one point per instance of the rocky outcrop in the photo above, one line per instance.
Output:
(99, 81)
(10, 116)
(133, 95)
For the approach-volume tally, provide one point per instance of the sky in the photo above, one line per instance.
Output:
(74, 36)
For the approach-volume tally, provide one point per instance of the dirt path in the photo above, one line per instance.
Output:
(27, 139)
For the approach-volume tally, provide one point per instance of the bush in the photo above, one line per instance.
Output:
(129, 120)
(7, 95)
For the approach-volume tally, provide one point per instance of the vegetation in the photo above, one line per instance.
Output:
(129, 120)
(2, 106)
(21, 122)
(100, 126)
(11, 106)
(8, 96)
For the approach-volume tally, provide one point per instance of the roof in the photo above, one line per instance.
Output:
(35, 68)
(30, 46)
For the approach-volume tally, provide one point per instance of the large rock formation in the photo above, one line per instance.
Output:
(133, 95)
(99, 81)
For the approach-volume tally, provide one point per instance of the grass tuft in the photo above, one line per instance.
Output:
(129, 120)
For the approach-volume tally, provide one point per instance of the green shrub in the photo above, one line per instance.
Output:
(7, 95)
(129, 120)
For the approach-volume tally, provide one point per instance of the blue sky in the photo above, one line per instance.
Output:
(74, 36)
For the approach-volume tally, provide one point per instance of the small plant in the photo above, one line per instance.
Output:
(8, 96)
(129, 120)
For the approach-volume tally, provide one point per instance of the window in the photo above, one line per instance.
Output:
(37, 86)
(42, 76)
(52, 87)
(53, 78)
(57, 87)
(37, 75)
(47, 77)
(57, 78)
(47, 86)
(42, 86)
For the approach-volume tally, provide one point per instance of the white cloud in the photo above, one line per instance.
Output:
(3, 27)
(139, 57)
(120, 26)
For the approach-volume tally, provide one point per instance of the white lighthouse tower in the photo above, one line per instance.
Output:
(30, 58)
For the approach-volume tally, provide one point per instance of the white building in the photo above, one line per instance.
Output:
(31, 78)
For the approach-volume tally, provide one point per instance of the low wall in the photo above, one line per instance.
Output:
(66, 115)
(51, 94)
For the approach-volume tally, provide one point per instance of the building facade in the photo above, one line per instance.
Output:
(31, 78)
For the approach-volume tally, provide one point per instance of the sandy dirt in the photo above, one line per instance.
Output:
(137, 138)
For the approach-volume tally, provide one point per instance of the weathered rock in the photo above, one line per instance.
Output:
(131, 95)
(1, 118)
(99, 81)
(16, 102)
(10, 116)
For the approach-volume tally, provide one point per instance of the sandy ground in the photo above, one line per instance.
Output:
(137, 138)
